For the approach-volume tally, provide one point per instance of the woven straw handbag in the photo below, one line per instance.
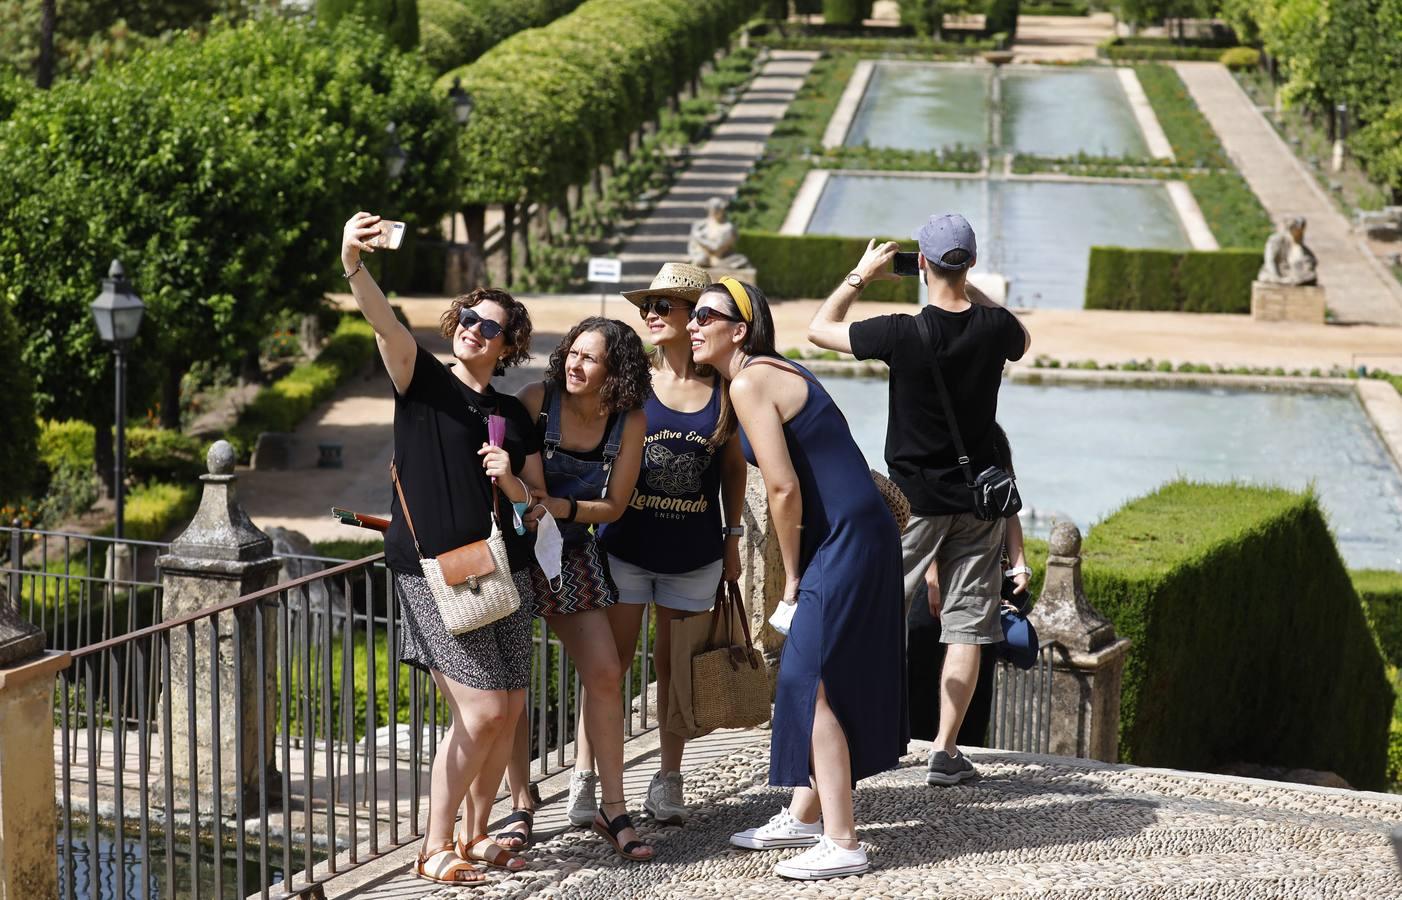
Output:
(729, 681)
(894, 497)
(472, 584)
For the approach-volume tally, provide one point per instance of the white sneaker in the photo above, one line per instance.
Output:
(584, 800)
(665, 800)
(782, 830)
(826, 860)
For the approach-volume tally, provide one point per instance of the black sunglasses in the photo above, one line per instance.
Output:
(704, 314)
(490, 328)
(663, 306)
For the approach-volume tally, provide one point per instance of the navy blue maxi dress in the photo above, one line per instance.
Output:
(849, 628)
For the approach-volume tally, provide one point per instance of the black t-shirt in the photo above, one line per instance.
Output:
(972, 347)
(439, 425)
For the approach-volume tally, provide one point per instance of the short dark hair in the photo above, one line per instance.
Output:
(955, 257)
(629, 379)
(516, 328)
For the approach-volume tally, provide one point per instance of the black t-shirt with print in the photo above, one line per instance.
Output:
(439, 425)
(972, 346)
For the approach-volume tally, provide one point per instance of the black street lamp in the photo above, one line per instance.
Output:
(462, 102)
(117, 312)
(395, 157)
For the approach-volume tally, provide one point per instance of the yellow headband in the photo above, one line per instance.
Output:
(740, 296)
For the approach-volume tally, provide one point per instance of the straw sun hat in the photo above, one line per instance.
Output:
(680, 280)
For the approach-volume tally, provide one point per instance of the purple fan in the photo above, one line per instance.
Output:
(496, 432)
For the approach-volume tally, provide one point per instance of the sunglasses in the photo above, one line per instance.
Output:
(663, 306)
(704, 314)
(467, 317)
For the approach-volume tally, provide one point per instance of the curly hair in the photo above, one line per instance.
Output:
(629, 379)
(516, 328)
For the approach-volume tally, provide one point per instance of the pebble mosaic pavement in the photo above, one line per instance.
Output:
(1028, 827)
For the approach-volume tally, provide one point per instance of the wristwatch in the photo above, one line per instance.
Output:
(733, 531)
(1018, 570)
(856, 281)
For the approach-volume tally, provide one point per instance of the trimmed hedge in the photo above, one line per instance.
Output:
(1381, 593)
(539, 127)
(397, 20)
(456, 32)
(1211, 281)
(810, 265)
(153, 454)
(284, 403)
(1238, 594)
(1162, 49)
(153, 510)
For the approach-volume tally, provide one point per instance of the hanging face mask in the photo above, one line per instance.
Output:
(518, 509)
(549, 547)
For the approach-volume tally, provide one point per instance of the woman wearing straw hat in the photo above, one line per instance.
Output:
(671, 548)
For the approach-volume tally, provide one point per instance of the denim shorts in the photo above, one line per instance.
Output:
(693, 591)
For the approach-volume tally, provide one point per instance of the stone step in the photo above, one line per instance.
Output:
(682, 209)
(663, 225)
(720, 164)
(701, 190)
(710, 179)
(790, 55)
(656, 243)
(732, 147)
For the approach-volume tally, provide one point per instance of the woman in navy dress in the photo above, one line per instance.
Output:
(839, 709)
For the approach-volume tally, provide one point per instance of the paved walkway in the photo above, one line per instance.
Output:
(1031, 826)
(717, 168)
(1359, 288)
(1060, 38)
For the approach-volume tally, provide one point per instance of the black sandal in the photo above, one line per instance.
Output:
(609, 831)
(507, 834)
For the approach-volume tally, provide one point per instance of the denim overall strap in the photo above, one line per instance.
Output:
(552, 420)
(614, 443)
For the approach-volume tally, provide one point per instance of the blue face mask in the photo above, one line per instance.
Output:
(518, 510)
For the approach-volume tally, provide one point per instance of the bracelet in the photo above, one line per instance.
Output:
(1018, 570)
(359, 264)
(574, 508)
(733, 531)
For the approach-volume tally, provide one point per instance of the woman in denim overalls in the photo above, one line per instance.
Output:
(590, 418)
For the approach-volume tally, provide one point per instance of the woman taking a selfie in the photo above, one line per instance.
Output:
(442, 499)
(671, 547)
(839, 707)
(590, 424)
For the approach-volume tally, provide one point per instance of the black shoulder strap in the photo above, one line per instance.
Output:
(928, 340)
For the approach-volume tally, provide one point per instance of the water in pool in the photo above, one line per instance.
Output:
(1022, 225)
(1081, 453)
(914, 106)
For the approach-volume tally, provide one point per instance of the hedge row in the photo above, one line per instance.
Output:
(155, 509)
(1238, 594)
(456, 32)
(1381, 593)
(552, 104)
(1213, 281)
(811, 265)
(285, 402)
(153, 454)
(1117, 53)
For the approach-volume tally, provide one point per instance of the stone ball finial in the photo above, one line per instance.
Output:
(1065, 540)
(220, 458)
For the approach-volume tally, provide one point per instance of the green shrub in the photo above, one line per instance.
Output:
(1231, 208)
(456, 32)
(842, 12)
(1241, 58)
(398, 20)
(1238, 594)
(16, 414)
(1001, 18)
(1055, 9)
(163, 454)
(811, 265)
(922, 15)
(165, 160)
(284, 403)
(1216, 281)
(1381, 593)
(154, 510)
(1120, 52)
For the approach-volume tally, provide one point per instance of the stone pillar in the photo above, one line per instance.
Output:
(28, 817)
(220, 557)
(1089, 661)
(1287, 303)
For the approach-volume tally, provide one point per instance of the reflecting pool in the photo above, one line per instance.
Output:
(1036, 233)
(1081, 452)
(916, 106)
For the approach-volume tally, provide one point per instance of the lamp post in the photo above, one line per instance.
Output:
(117, 312)
(462, 114)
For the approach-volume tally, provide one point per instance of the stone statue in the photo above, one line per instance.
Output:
(713, 239)
(1287, 259)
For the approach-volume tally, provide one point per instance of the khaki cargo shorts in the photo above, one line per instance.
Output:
(969, 552)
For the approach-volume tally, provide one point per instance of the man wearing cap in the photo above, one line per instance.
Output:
(972, 337)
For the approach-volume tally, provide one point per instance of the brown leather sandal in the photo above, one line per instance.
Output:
(483, 849)
(458, 873)
(610, 830)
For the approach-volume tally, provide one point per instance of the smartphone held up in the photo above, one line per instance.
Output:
(906, 264)
(390, 237)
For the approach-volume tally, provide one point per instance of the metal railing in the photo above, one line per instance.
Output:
(322, 760)
(1022, 704)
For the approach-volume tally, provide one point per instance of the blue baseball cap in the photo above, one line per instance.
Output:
(942, 234)
(1019, 645)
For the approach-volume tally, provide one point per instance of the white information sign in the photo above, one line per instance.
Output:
(605, 270)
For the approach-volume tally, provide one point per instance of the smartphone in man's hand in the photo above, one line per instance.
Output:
(391, 235)
(907, 264)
